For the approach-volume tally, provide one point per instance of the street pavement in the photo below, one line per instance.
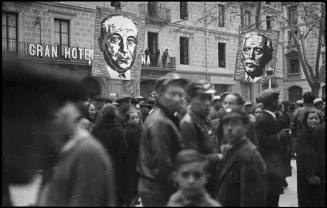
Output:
(26, 195)
(289, 198)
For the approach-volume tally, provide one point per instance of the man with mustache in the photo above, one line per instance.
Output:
(118, 42)
(256, 53)
(196, 129)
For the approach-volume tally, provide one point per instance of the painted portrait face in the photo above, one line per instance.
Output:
(255, 53)
(118, 42)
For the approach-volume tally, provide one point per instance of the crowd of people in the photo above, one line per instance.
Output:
(185, 146)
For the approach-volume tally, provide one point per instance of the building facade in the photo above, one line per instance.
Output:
(196, 49)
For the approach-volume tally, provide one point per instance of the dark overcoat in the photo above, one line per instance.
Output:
(133, 137)
(110, 134)
(308, 162)
(242, 176)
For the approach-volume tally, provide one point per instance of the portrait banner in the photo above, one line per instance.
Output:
(256, 54)
(118, 44)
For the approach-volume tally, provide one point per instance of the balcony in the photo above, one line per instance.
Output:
(155, 70)
(35, 52)
(154, 13)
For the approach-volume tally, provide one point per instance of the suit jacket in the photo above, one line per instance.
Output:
(270, 147)
(158, 148)
(242, 176)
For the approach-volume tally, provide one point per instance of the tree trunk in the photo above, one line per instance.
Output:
(315, 89)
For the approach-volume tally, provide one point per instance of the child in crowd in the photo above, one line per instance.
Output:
(190, 173)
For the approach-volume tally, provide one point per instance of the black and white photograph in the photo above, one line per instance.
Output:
(163, 104)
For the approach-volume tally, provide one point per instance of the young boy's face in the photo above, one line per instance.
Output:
(191, 177)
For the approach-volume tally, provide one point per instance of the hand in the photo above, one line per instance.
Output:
(314, 180)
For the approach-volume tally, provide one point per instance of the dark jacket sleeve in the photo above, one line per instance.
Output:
(189, 136)
(93, 181)
(253, 182)
(264, 139)
(251, 134)
(162, 136)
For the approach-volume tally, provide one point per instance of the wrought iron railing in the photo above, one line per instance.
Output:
(155, 12)
(148, 61)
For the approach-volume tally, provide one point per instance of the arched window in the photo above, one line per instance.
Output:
(294, 93)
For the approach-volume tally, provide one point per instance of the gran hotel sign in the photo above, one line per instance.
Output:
(57, 52)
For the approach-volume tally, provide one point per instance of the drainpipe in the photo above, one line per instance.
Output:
(206, 42)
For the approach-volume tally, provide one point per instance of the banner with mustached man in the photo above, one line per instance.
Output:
(256, 55)
(118, 44)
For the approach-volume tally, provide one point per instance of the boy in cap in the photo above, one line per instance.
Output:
(242, 171)
(190, 173)
(196, 129)
(160, 142)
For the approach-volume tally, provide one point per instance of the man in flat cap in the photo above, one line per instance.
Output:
(271, 145)
(242, 172)
(319, 104)
(196, 129)
(160, 142)
(40, 127)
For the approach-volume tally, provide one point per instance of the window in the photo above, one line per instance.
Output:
(9, 32)
(247, 18)
(61, 36)
(294, 66)
(183, 10)
(116, 4)
(268, 22)
(183, 41)
(294, 93)
(292, 14)
(221, 17)
(221, 55)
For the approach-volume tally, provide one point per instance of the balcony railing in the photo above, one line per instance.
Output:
(154, 12)
(38, 51)
(150, 62)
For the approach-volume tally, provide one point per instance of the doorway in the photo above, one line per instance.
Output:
(153, 48)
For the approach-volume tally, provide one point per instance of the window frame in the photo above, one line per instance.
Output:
(247, 18)
(289, 71)
(60, 33)
(225, 64)
(7, 13)
(269, 20)
(291, 9)
(221, 15)
(180, 51)
(180, 10)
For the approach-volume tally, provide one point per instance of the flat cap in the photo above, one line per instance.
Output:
(31, 89)
(248, 103)
(200, 87)
(317, 100)
(169, 78)
(299, 102)
(269, 93)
